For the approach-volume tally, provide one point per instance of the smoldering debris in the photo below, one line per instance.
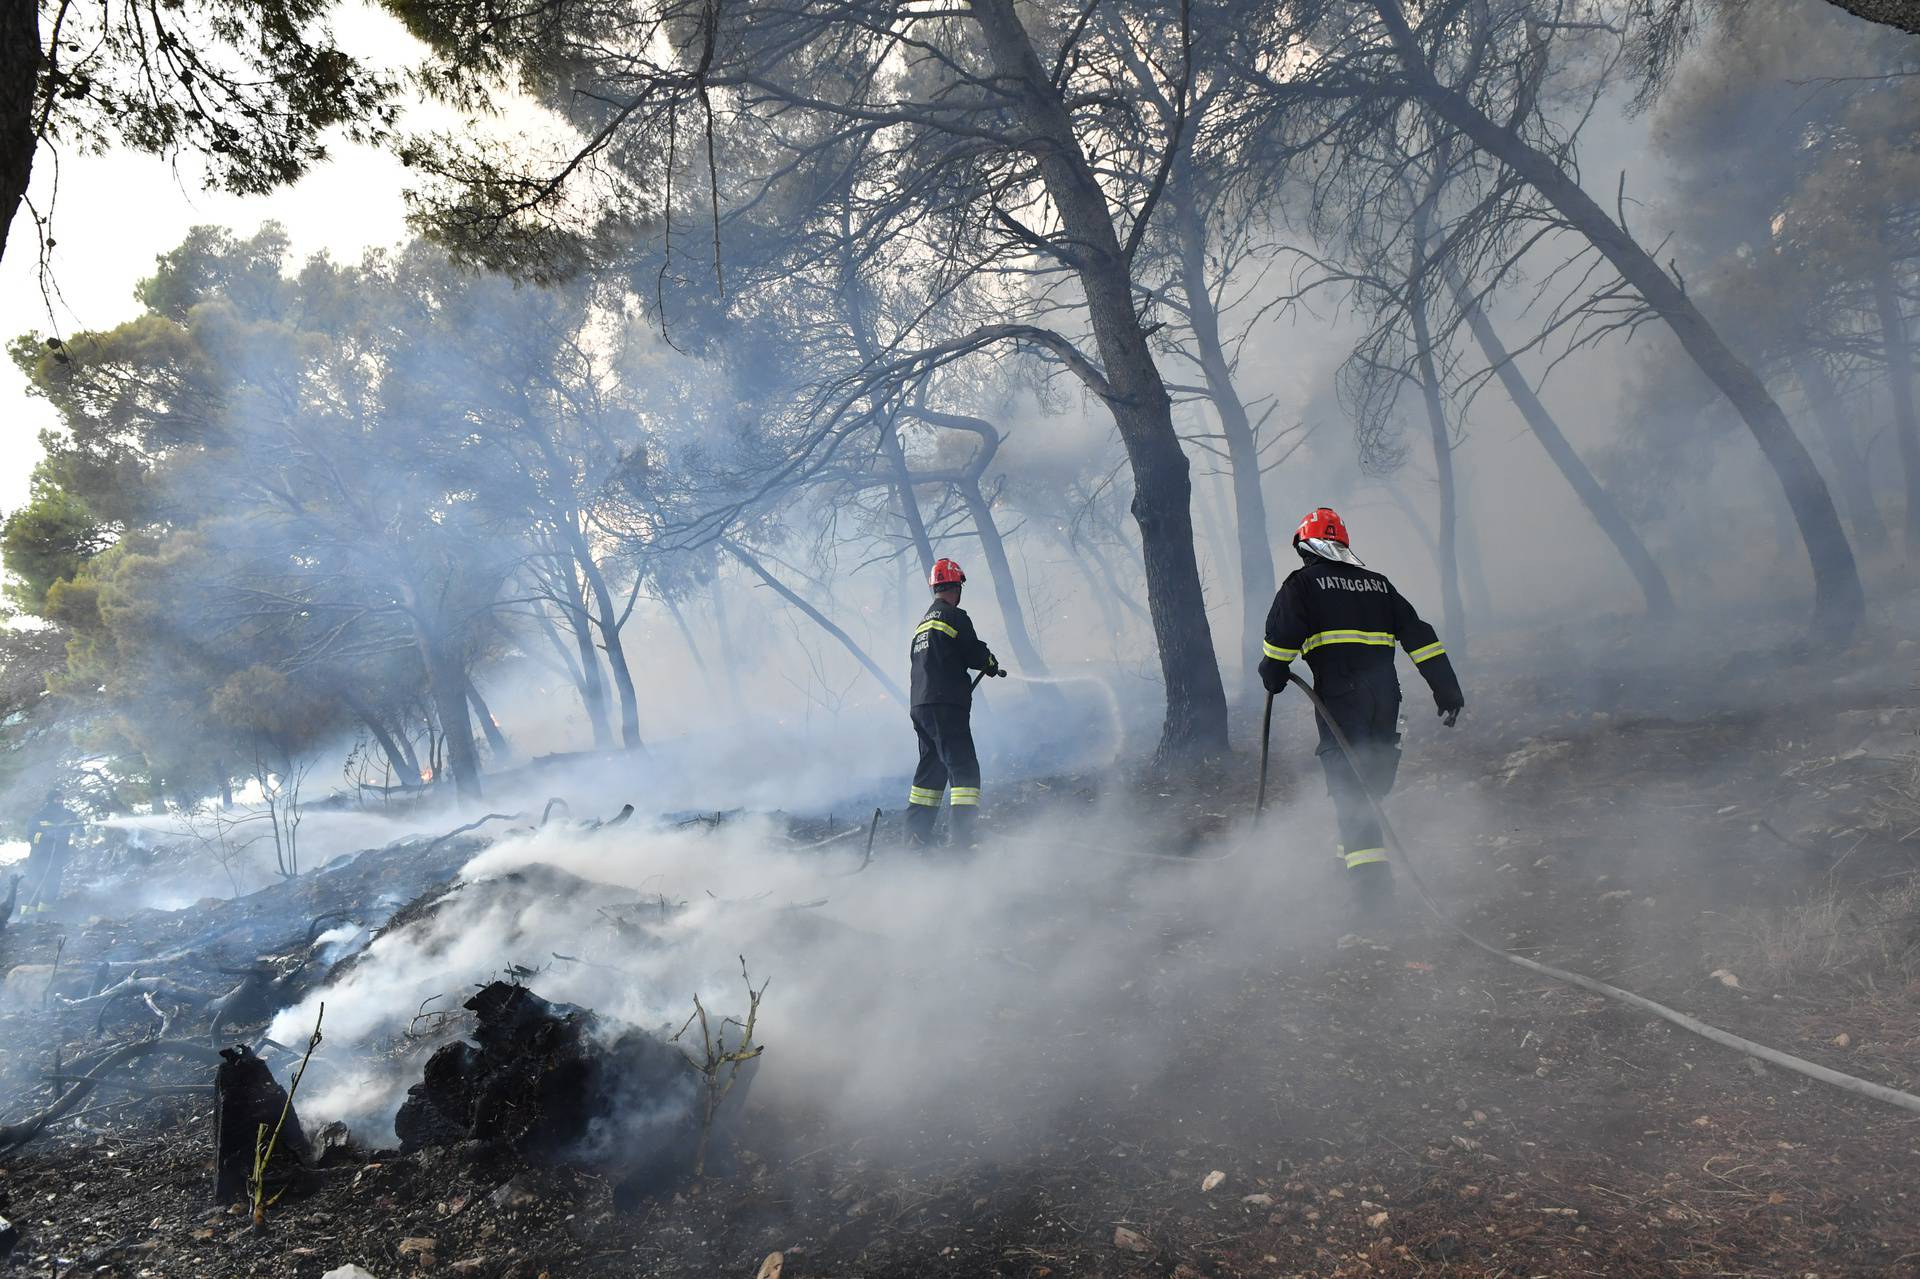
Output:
(552, 1082)
(160, 988)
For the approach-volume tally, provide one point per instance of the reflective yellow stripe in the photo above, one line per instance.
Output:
(1279, 654)
(935, 624)
(1346, 636)
(921, 795)
(1365, 857)
(964, 796)
(1428, 653)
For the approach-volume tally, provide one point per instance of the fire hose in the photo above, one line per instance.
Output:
(1726, 1039)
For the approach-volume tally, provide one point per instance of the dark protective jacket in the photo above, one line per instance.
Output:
(52, 827)
(1345, 620)
(945, 648)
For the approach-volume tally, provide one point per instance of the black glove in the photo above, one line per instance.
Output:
(1273, 675)
(1450, 707)
(994, 668)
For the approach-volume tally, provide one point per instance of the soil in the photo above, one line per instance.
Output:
(1372, 1097)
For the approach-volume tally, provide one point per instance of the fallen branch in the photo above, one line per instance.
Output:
(127, 1085)
(432, 844)
(25, 1130)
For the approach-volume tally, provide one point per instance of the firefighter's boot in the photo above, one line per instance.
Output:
(919, 825)
(1370, 878)
(963, 831)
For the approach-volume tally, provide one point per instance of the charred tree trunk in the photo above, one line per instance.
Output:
(1196, 722)
(1893, 335)
(1839, 598)
(447, 685)
(1599, 503)
(402, 763)
(1243, 451)
(490, 727)
(820, 619)
(20, 67)
(1453, 614)
(1849, 463)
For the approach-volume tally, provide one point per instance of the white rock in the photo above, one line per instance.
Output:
(348, 1271)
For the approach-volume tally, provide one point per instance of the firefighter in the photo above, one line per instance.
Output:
(945, 648)
(1344, 619)
(52, 828)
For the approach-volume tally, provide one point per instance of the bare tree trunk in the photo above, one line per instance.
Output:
(1599, 503)
(593, 688)
(1453, 615)
(447, 684)
(609, 624)
(402, 764)
(1243, 451)
(909, 503)
(1005, 590)
(1893, 335)
(20, 67)
(1839, 598)
(1849, 463)
(1196, 721)
(496, 740)
(819, 619)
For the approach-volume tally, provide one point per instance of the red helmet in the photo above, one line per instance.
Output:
(945, 573)
(1325, 523)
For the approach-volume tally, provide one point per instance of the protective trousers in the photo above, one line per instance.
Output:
(1368, 712)
(947, 762)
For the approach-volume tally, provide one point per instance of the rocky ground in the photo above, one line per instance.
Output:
(1360, 1097)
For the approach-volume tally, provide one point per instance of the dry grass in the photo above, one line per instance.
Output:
(1868, 938)
(1894, 809)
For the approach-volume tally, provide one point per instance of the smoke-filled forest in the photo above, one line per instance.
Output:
(966, 638)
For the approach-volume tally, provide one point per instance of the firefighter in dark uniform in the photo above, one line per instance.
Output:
(945, 648)
(1345, 619)
(52, 830)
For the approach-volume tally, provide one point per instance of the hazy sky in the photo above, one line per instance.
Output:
(116, 213)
